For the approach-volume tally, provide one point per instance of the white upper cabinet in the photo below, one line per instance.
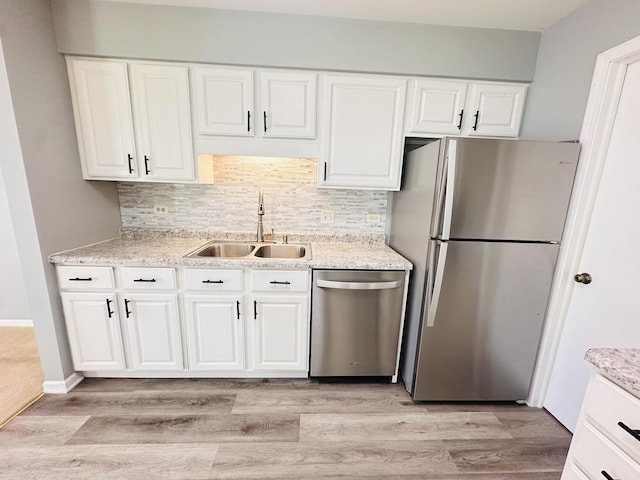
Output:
(436, 106)
(456, 107)
(495, 109)
(283, 106)
(162, 121)
(132, 124)
(225, 101)
(362, 136)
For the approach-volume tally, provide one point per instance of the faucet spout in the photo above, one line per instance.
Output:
(260, 232)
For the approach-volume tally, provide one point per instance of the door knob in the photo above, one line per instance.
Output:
(583, 278)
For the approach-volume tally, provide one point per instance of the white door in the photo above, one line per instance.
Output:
(494, 109)
(93, 330)
(280, 332)
(100, 94)
(162, 116)
(214, 332)
(288, 104)
(437, 106)
(362, 140)
(153, 328)
(225, 101)
(605, 312)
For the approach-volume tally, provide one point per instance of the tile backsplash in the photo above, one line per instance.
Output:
(292, 201)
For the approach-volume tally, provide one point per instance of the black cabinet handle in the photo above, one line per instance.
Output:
(255, 310)
(634, 433)
(238, 309)
(276, 282)
(248, 121)
(325, 171)
(146, 165)
(606, 475)
(460, 115)
(145, 280)
(109, 311)
(264, 117)
(213, 281)
(127, 312)
(78, 279)
(475, 122)
(129, 158)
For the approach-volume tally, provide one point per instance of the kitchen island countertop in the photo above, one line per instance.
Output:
(171, 251)
(621, 365)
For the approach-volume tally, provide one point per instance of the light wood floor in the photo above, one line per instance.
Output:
(20, 373)
(283, 429)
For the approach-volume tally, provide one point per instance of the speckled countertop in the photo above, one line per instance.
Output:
(622, 365)
(170, 251)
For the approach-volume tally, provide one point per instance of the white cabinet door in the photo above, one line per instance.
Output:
(100, 95)
(288, 104)
(495, 109)
(436, 106)
(153, 327)
(280, 332)
(94, 331)
(362, 138)
(162, 121)
(225, 101)
(214, 332)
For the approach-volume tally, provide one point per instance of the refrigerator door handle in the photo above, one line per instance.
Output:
(448, 189)
(437, 284)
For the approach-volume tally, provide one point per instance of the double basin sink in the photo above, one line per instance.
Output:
(251, 250)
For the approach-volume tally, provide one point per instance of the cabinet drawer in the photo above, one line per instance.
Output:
(609, 404)
(137, 278)
(593, 453)
(85, 278)
(212, 280)
(280, 280)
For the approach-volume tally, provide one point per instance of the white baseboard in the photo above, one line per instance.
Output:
(62, 387)
(8, 322)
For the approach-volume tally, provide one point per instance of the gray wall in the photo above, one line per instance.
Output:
(52, 207)
(13, 296)
(94, 27)
(568, 51)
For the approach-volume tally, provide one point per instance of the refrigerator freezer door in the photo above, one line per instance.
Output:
(485, 334)
(510, 189)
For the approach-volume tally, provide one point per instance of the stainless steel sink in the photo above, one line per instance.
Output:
(251, 250)
(280, 251)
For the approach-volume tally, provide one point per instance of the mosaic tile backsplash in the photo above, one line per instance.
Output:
(292, 201)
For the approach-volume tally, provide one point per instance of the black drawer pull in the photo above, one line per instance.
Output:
(248, 120)
(255, 310)
(129, 158)
(606, 475)
(238, 308)
(475, 123)
(109, 311)
(78, 279)
(276, 282)
(146, 165)
(460, 115)
(127, 312)
(213, 281)
(634, 433)
(145, 280)
(264, 116)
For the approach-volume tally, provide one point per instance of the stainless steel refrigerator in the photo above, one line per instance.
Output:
(481, 220)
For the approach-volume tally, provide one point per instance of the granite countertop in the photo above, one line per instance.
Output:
(622, 365)
(170, 252)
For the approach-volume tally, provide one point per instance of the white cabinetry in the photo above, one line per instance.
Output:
(133, 120)
(362, 135)
(456, 107)
(214, 319)
(607, 440)
(91, 314)
(280, 328)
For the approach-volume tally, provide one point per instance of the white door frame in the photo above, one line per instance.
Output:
(602, 106)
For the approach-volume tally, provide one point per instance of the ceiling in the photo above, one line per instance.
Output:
(535, 15)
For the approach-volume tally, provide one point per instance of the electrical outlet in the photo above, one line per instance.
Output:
(373, 218)
(326, 216)
(160, 209)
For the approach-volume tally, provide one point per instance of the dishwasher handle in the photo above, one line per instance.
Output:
(358, 285)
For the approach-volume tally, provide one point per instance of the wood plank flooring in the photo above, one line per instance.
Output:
(280, 429)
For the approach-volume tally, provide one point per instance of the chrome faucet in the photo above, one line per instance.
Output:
(260, 233)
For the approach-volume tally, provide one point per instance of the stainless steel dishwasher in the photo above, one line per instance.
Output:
(355, 322)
